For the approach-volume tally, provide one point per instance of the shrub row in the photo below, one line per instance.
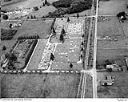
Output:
(30, 52)
(29, 37)
(7, 34)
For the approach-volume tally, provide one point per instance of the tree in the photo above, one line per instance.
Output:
(68, 20)
(4, 48)
(5, 17)
(63, 32)
(10, 25)
(28, 17)
(52, 57)
(31, 17)
(43, 4)
(83, 36)
(11, 56)
(71, 65)
(36, 8)
(77, 15)
(107, 62)
(34, 17)
(122, 16)
(109, 69)
(62, 38)
(53, 31)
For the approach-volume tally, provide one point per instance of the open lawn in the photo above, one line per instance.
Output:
(118, 90)
(39, 85)
(37, 27)
(30, 28)
(37, 55)
(89, 87)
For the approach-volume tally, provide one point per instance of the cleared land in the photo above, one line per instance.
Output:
(39, 85)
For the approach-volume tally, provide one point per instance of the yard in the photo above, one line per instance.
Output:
(8, 43)
(39, 85)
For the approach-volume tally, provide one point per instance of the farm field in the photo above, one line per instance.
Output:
(112, 7)
(111, 50)
(109, 28)
(112, 47)
(30, 28)
(59, 85)
(115, 52)
(118, 90)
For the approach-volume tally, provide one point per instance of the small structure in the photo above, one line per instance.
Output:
(113, 67)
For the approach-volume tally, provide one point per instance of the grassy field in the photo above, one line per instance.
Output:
(15, 4)
(118, 90)
(30, 28)
(125, 28)
(111, 50)
(39, 85)
(110, 26)
(112, 7)
(89, 87)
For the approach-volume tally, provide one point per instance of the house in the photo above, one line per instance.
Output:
(113, 67)
(109, 80)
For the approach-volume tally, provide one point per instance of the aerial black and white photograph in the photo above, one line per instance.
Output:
(73, 49)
